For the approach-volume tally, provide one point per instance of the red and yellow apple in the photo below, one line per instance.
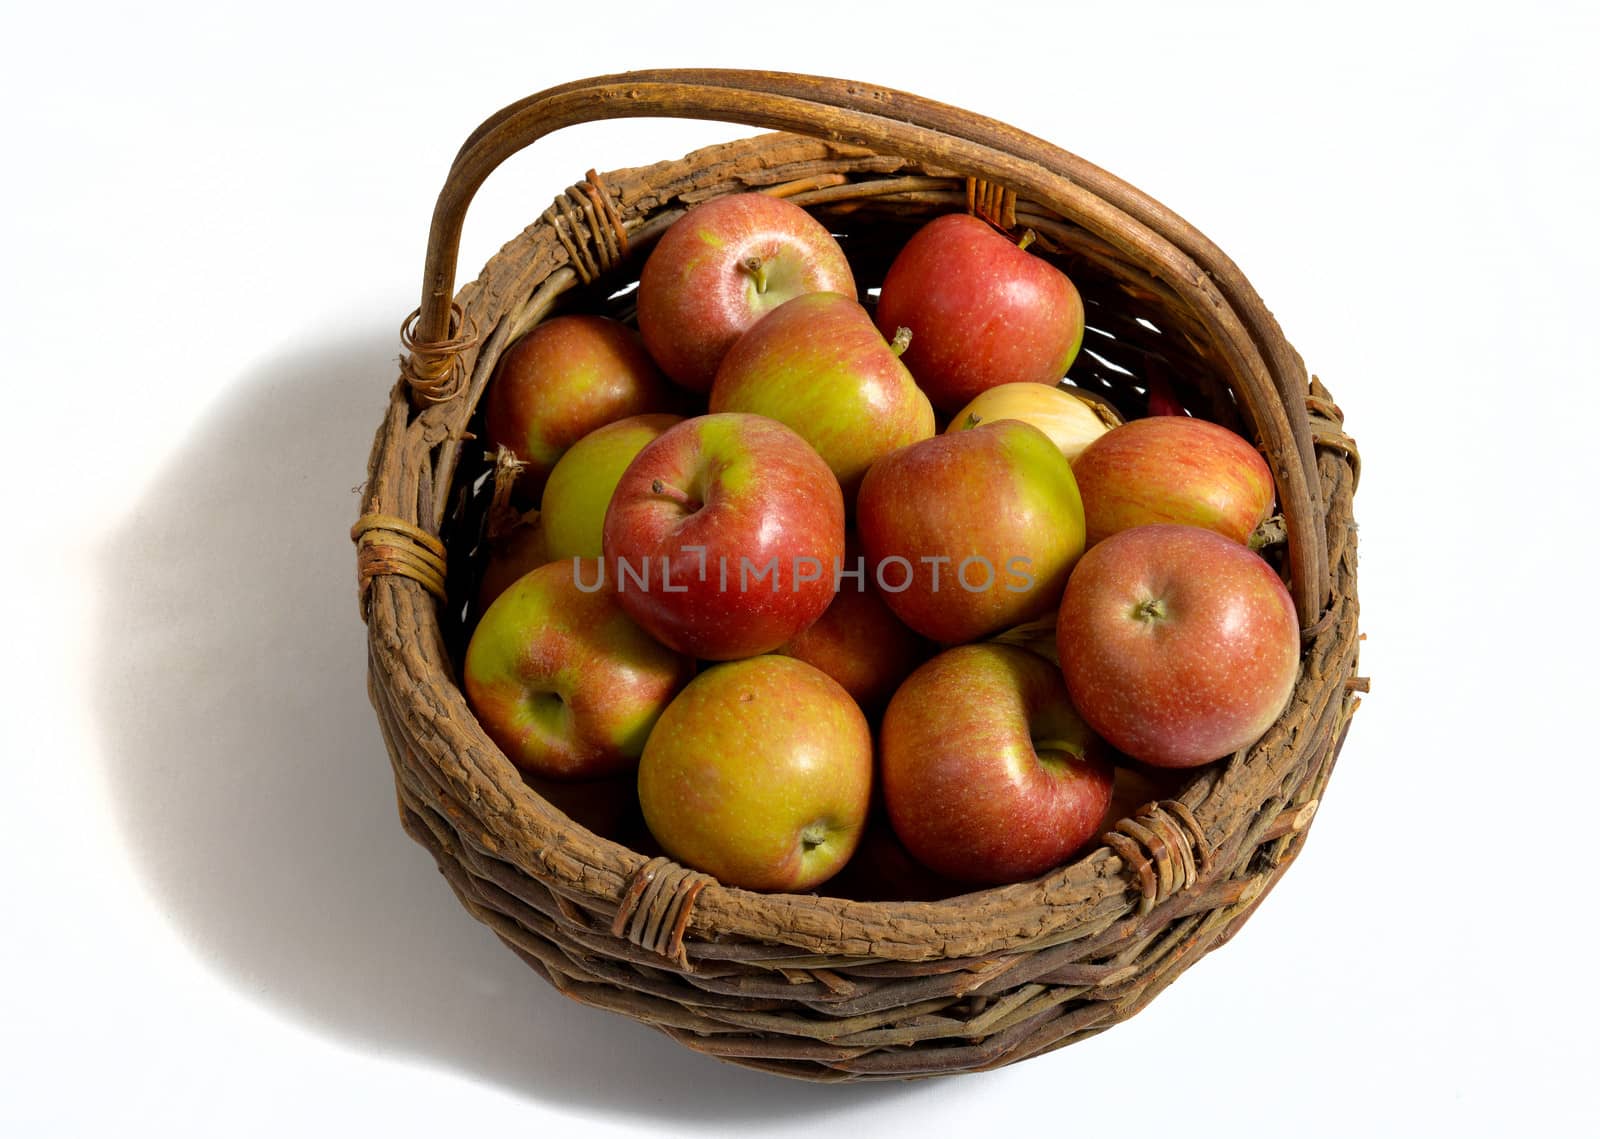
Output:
(981, 309)
(759, 773)
(564, 681)
(722, 536)
(1171, 468)
(989, 775)
(1178, 645)
(721, 267)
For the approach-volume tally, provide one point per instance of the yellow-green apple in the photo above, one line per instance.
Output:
(573, 509)
(568, 376)
(564, 681)
(521, 549)
(989, 775)
(858, 640)
(759, 773)
(982, 311)
(1179, 646)
(973, 532)
(818, 364)
(722, 536)
(720, 268)
(1071, 423)
(1171, 468)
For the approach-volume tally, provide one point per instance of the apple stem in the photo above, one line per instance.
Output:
(1269, 533)
(666, 490)
(757, 268)
(901, 341)
(1150, 609)
(1028, 238)
(973, 419)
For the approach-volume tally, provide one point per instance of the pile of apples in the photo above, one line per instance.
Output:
(765, 600)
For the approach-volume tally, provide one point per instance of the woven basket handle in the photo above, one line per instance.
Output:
(1268, 376)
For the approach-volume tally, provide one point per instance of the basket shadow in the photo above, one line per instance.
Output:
(255, 795)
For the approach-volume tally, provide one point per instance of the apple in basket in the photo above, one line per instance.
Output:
(720, 268)
(989, 775)
(563, 680)
(1172, 468)
(759, 773)
(568, 376)
(1071, 422)
(722, 536)
(982, 311)
(573, 510)
(1178, 645)
(972, 532)
(818, 364)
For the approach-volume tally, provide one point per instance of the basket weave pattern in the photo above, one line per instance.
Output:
(809, 986)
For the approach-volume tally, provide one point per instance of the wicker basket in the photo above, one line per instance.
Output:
(810, 986)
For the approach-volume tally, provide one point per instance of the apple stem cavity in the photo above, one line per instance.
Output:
(1028, 238)
(757, 269)
(667, 490)
(901, 341)
(1150, 610)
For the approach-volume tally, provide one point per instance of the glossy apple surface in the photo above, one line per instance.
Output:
(1071, 423)
(564, 681)
(568, 376)
(722, 536)
(759, 773)
(981, 311)
(989, 775)
(1171, 468)
(1179, 646)
(573, 510)
(972, 532)
(723, 266)
(818, 364)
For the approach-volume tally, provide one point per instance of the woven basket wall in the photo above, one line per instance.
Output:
(821, 987)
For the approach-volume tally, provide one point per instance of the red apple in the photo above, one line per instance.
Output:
(759, 773)
(882, 870)
(989, 776)
(1173, 469)
(973, 532)
(817, 364)
(858, 640)
(581, 485)
(1179, 646)
(722, 536)
(981, 309)
(564, 681)
(568, 376)
(720, 268)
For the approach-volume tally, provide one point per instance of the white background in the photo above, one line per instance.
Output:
(212, 226)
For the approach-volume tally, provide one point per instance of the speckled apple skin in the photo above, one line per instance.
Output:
(568, 376)
(748, 757)
(981, 311)
(695, 300)
(1173, 469)
(818, 365)
(563, 681)
(963, 784)
(1208, 678)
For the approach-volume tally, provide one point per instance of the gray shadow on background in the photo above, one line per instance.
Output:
(254, 790)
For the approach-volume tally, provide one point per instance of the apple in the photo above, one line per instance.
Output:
(982, 311)
(722, 536)
(1179, 646)
(973, 532)
(882, 870)
(580, 487)
(858, 640)
(564, 681)
(817, 364)
(759, 773)
(1071, 423)
(521, 549)
(568, 376)
(989, 775)
(1172, 468)
(720, 268)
